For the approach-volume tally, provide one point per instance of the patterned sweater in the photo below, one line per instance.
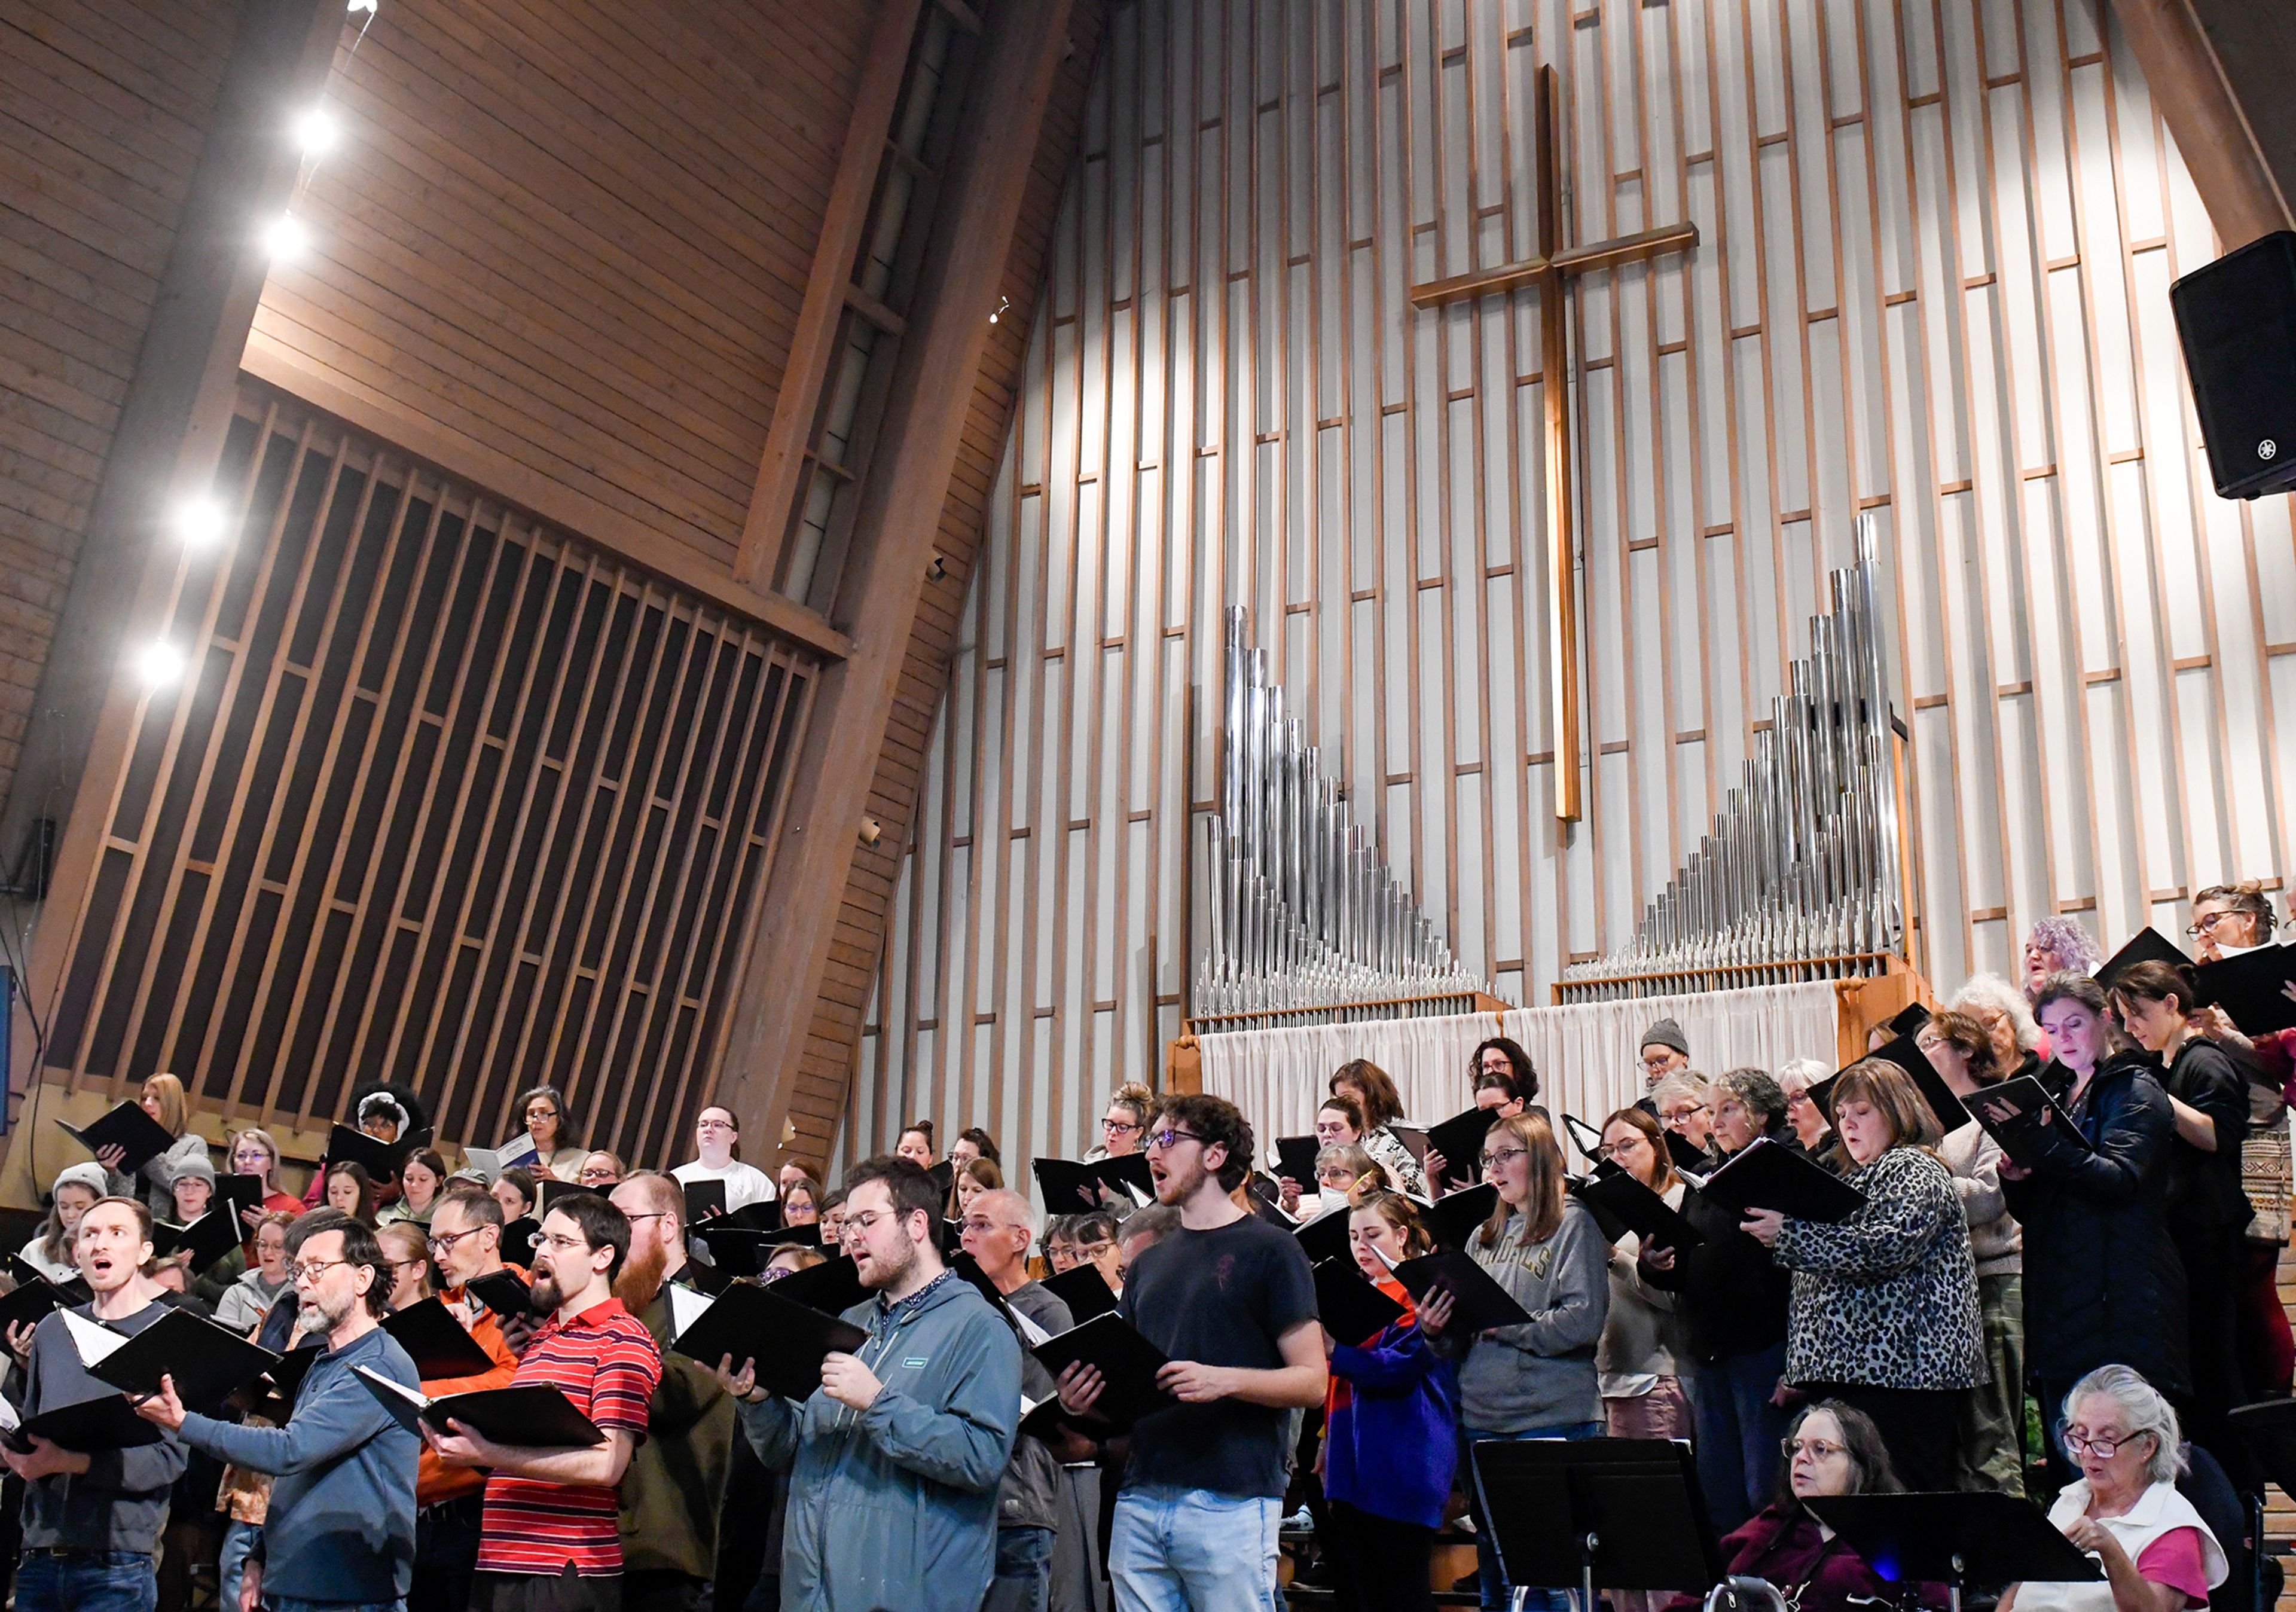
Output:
(1887, 1297)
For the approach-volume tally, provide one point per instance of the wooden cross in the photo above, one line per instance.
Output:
(1551, 274)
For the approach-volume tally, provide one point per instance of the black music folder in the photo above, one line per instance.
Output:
(1351, 1309)
(239, 1194)
(2150, 945)
(1637, 1209)
(704, 1200)
(436, 1342)
(1073, 1188)
(1770, 1175)
(1325, 1236)
(1586, 1138)
(1084, 1290)
(943, 1176)
(206, 1240)
(1686, 1154)
(832, 1287)
(1477, 1302)
(108, 1421)
(1977, 1536)
(1295, 1159)
(763, 1216)
(517, 1244)
(128, 1127)
(380, 1159)
(271, 1396)
(32, 1296)
(2251, 988)
(738, 1251)
(2015, 1113)
(1454, 1219)
(1127, 1362)
(504, 1292)
(1908, 1020)
(529, 1416)
(788, 1340)
(207, 1361)
(1460, 1140)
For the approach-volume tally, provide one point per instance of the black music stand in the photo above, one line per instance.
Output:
(1618, 1513)
(2269, 1429)
(1983, 1537)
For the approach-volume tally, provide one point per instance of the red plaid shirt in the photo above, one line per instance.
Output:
(605, 1361)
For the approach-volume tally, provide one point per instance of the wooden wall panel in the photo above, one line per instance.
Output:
(104, 105)
(574, 237)
(441, 797)
(1936, 237)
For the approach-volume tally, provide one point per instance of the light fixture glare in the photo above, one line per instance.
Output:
(284, 237)
(315, 131)
(199, 523)
(160, 664)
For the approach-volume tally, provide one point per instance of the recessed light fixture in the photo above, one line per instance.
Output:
(160, 664)
(284, 237)
(316, 131)
(199, 523)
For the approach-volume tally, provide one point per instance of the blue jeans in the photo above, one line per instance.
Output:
(238, 1539)
(1024, 1571)
(101, 1581)
(1496, 1589)
(1193, 1551)
(1738, 1430)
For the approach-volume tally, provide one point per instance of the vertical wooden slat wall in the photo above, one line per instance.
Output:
(442, 798)
(1935, 243)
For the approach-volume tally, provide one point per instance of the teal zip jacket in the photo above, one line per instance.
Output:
(895, 1506)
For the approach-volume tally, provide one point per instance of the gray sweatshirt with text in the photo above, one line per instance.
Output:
(1541, 1375)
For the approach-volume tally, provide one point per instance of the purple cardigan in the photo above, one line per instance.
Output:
(1391, 1427)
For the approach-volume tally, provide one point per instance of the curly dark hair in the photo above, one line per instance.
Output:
(1217, 1123)
(1521, 1086)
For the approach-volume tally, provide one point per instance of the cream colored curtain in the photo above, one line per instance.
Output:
(1586, 1055)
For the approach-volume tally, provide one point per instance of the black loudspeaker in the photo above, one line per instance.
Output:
(2236, 319)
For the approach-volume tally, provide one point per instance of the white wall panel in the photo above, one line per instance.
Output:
(1936, 238)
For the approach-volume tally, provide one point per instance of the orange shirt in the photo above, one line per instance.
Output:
(435, 1482)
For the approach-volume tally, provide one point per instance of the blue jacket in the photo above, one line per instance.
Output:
(895, 1506)
(341, 1522)
(1390, 1436)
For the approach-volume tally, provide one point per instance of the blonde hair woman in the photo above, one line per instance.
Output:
(162, 1098)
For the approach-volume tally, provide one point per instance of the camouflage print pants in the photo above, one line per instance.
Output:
(1991, 1443)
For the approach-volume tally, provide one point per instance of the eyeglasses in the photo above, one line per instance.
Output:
(555, 1243)
(867, 1222)
(2207, 926)
(1504, 1156)
(1659, 1061)
(713, 1124)
(1675, 1117)
(311, 1270)
(1611, 1149)
(1816, 1449)
(444, 1242)
(2104, 1447)
(1166, 1140)
(649, 1215)
(1122, 1127)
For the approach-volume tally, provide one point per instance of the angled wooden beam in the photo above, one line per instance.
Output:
(2197, 100)
(826, 286)
(170, 438)
(896, 525)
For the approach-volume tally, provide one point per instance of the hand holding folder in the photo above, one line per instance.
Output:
(786, 1342)
(1125, 1363)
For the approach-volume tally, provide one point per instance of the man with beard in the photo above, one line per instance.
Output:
(92, 1518)
(1231, 1303)
(898, 1454)
(552, 1538)
(340, 1532)
(449, 1501)
(676, 1480)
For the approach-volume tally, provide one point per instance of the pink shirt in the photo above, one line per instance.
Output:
(2175, 1559)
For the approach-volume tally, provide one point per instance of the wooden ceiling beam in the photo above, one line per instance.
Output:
(894, 531)
(2208, 116)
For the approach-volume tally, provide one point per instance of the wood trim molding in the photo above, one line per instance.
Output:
(2212, 133)
(825, 291)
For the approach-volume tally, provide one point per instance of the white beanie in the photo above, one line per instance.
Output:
(89, 1175)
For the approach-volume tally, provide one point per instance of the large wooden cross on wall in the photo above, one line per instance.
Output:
(1550, 274)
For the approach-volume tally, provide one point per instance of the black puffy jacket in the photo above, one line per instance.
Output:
(2102, 1283)
(1734, 1297)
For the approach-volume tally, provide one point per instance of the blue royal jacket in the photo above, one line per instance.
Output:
(1390, 1426)
(895, 1506)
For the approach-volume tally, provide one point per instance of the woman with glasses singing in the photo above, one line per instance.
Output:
(1536, 1380)
(1637, 1364)
(1884, 1314)
(2228, 919)
(2157, 1553)
(1831, 1449)
(1124, 1127)
(2102, 1282)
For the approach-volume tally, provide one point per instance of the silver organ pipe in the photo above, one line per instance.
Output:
(1305, 922)
(1801, 876)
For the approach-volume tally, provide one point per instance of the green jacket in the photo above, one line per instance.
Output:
(676, 1481)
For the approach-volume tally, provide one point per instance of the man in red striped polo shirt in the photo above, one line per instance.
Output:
(550, 1541)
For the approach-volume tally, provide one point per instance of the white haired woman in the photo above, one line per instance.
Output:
(2019, 1045)
(1811, 1128)
(2158, 1554)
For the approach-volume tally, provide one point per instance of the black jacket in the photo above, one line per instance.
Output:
(1733, 1297)
(2102, 1282)
(2205, 1199)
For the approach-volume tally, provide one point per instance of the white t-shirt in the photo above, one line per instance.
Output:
(745, 1183)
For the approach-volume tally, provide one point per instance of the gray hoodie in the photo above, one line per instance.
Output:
(121, 1503)
(895, 1506)
(1030, 1494)
(1540, 1375)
